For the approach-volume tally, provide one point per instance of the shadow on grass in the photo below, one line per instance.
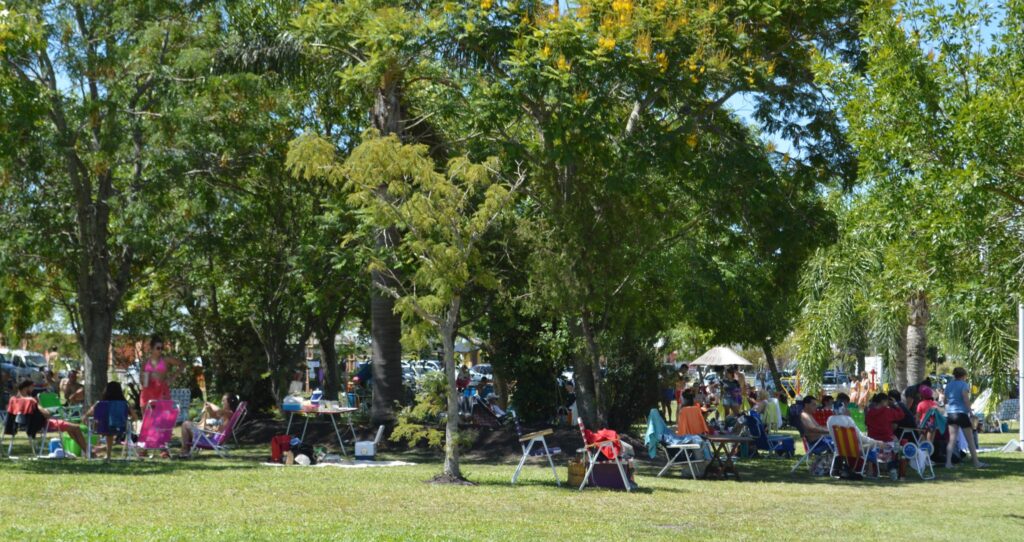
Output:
(119, 467)
(550, 484)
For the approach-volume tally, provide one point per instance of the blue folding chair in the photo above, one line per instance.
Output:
(777, 444)
(110, 418)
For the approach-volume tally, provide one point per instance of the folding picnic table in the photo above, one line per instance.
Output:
(723, 450)
(330, 412)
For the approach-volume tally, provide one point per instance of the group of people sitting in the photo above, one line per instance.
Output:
(24, 409)
(731, 392)
(916, 408)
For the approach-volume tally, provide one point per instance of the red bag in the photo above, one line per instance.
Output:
(278, 446)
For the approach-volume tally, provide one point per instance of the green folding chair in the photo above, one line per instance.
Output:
(51, 402)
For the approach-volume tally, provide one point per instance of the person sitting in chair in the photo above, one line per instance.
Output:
(484, 388)
(812, 430)
(73, 390)
(52, 424)
(841, 404)
(212, 419)
(113, 392)
(492, 404)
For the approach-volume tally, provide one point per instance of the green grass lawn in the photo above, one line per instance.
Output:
(238, 499)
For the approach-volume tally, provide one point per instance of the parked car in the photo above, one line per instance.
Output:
(478, 372)
(25, 365)
(409, 376)
(428, 365)
(835, 382)
(9, 370)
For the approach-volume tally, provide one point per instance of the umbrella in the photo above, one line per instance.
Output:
(720, 356)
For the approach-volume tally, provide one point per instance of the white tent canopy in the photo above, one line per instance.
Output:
(720, 356)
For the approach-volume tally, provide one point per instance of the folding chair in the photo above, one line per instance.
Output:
(659, 436)
(158, 421)
(23, 415)
(183, 398)
(777, 444)
(1007, 411)
(820, 446)
(217, 440)
(110, 418)
(527, 442)
(240, 424)
(482, 416)
(591, 451)
(850, 445)
(51, 402)
(919, 457)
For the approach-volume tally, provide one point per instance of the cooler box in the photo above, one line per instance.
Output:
(367, 449)
(291, 404)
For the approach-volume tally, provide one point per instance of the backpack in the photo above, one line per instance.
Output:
(306, 450)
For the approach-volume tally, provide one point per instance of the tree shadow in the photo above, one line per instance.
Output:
(118, 467)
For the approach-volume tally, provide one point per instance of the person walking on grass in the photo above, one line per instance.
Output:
(958, 417)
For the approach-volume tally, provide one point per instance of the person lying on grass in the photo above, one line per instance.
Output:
(52, 424)
(212, 419)
(113, 393)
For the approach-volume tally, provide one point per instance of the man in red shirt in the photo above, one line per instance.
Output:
(881, 418)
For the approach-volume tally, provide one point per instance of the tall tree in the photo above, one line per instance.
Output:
(443, 218)
(932, 113)
(622, 108)
(82, 86)
(377, 48)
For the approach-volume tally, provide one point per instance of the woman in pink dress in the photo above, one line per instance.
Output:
(156, 373)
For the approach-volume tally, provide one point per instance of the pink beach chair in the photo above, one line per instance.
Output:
(217, 440)
(158, 425)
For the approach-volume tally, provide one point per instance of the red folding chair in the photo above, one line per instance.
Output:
(592, 448)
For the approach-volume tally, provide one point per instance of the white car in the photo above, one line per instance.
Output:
(22, 365)
(479, 372)
(427, 365)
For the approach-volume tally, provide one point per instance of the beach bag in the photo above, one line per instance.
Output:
(279, 444)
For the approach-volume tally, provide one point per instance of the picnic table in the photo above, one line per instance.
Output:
(723, 450)
(332, 413)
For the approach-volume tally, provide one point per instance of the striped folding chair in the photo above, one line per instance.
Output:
(850, 445)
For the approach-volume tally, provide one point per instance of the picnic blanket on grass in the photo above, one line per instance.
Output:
(349, 464)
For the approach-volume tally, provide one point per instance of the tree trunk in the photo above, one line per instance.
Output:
(917, 338)
(386, 332)
(330, 362)
(594, 358)
(385, 325)
(899, 363)
(452, 472)
(94, 340)
(98, 292)
(769, 357)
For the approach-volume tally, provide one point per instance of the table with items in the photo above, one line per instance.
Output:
(330, 411)
(723, 450)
